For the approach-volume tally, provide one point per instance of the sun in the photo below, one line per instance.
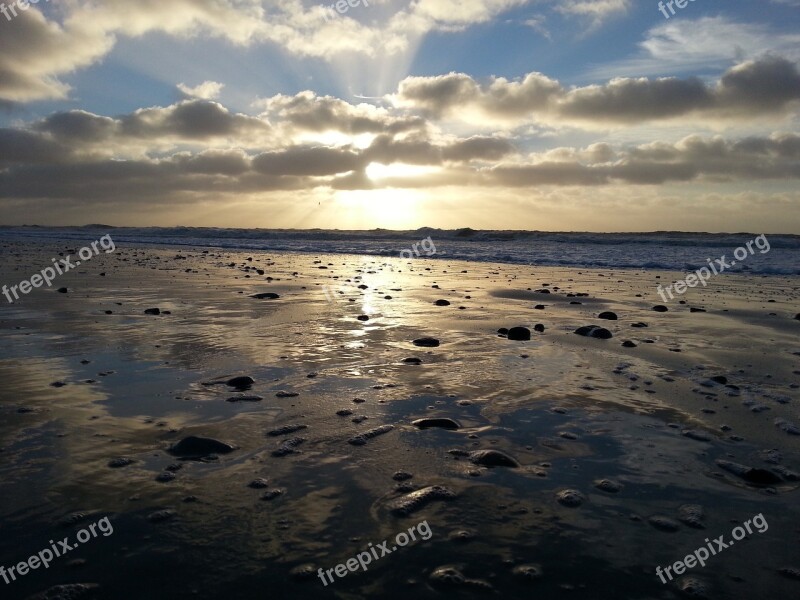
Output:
(378, 171)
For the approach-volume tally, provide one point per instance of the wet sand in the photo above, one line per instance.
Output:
(89, 378)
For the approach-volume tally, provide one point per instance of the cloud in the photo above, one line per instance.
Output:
(680, 45)
(208, 90)
(769, 86)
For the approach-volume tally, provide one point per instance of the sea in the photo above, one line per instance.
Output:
(772, 254)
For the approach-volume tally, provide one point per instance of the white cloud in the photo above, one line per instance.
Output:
(208, 90)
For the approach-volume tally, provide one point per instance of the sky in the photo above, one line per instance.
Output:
(560, 115)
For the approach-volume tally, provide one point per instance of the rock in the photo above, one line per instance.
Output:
(696, 310)
(258, 484)
(441, 422)
(161, 515)
(608, 485)
(530, 572)
(272, 494)
(413, 360)
(118, 463)
(241, 383)
(787, 426)
(628, 344)
(344, 412)
(639, 325)
(660, 308)
(410, 503)
(790, 572)
(194, 446)
(302, 572)
(691, 515)
(502, 331)
(696, 435)
(426, 342)
(570, 498)
(663, 523)
(288, 447)
(282, 394)
(519, 334)
(493, 458)
(152, 311)
(265, 296)
(594, 331)
(363, 317)
(69, 591)
(62, 290)
(694, 587)
(538, 327)
(402, 476)
(165, 477)
(286, 430)
(245, 398)
(362, 438)
(608, 315)
(447, 576)
(750, 474)
(442, 303)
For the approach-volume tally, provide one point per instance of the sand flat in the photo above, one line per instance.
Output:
(571, 410)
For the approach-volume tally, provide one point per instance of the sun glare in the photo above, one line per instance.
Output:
(376, 171)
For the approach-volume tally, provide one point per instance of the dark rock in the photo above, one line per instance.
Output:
(245, 398)
(152, 311)
(118, 463)
(265, 296)
(502, 331)
(442, 303)
(441, 423)
(750, 474)
(628, 344)
(570, 498)
(63, 290)
(283, 394)
(413, 360)
(660, 308)
(608, 315)
(194, 446)
(258, 484)
(493, 458)
(363, 317)
(594, 331)
(241, 383)
(519, 334)
(427, 342)
(538, 327)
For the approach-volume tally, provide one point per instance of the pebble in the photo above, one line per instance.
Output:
(361, 438)
(750, 474)
(265, 296)
(286, 430)
(594, 331)
(426, 342)
(608, 315)
(441, 423)
(663, 523)
(691, 515)
(194, 446)
(288, 446)
(519, 334)
(493, 458)
(570, 498)
(410, 503)
(608, 485)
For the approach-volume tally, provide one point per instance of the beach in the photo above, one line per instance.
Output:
(560, 466)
